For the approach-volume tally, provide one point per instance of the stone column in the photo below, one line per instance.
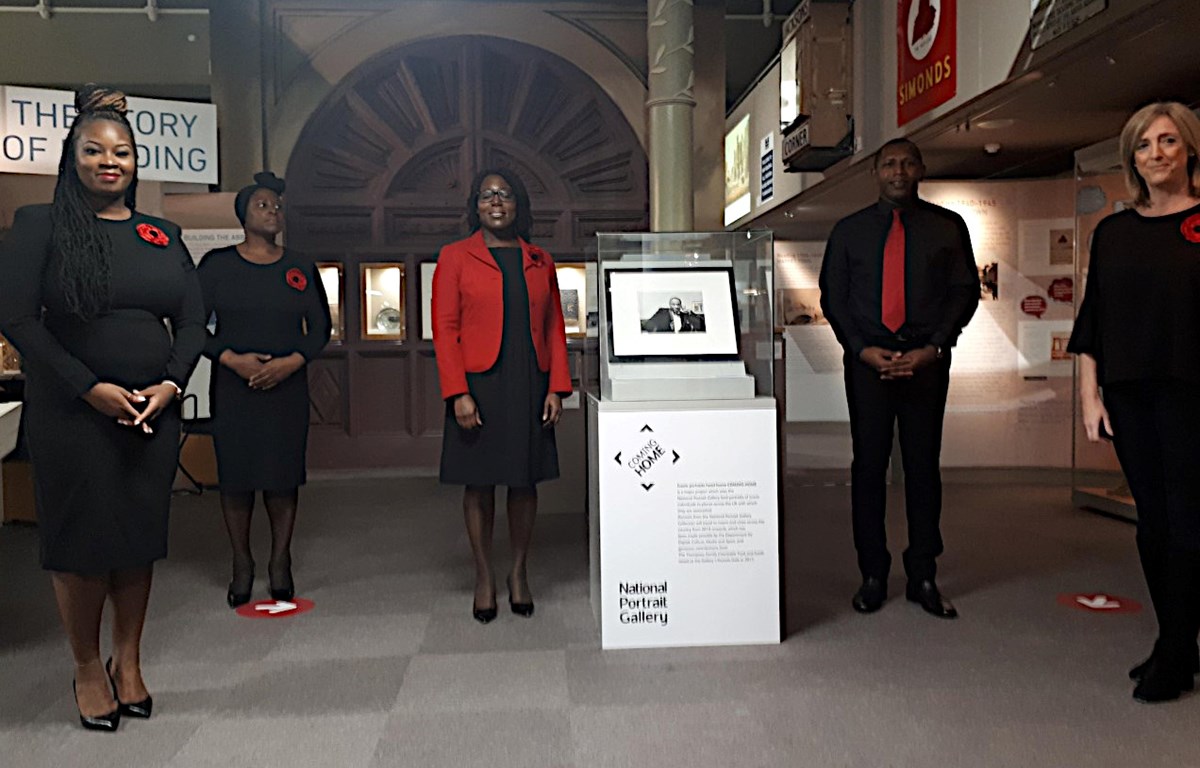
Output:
(671, 37)
(237, 83)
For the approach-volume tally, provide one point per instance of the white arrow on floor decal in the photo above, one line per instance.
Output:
(279, 606)
(1098, 603)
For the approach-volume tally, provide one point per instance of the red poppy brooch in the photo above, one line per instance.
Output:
(296, 279)
(1191, 228)
(153, 235)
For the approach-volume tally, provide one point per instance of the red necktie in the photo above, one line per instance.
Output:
(892, 312)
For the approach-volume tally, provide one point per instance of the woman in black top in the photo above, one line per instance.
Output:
(1138, 337)
(272, 320)
(85, 285)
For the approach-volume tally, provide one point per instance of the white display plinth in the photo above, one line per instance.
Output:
(10, 422)
(721, 380)
(684, 522)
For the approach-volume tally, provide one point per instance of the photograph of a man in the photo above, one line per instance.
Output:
(673, 318)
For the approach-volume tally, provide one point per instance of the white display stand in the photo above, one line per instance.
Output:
(10, 422)
(684, 522)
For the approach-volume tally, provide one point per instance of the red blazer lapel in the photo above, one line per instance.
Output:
(477, 248)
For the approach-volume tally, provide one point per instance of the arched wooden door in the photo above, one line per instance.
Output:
(380, 175)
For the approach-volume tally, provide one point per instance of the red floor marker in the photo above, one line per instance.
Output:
(1097, 602)
(275, 609)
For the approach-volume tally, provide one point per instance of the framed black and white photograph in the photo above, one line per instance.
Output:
(671, 313)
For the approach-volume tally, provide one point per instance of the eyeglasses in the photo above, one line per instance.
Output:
(263, 205)
(486, 195)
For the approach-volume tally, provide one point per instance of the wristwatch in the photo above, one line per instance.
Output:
(179, 392)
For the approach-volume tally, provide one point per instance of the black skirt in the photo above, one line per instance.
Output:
(512, 447)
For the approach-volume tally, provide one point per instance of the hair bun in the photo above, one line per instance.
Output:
(270, 181)
(99, 98)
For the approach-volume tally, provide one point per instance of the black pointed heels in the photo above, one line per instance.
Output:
(235, 597)
(107, 722)
(140, 709)
(521, 609)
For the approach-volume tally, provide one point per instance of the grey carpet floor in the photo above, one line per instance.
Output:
(389, 669)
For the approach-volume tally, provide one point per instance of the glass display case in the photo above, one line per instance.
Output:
(1097, 482)
(331, 274)
(382, 301)
(10, 361)
(573, 294)
(427, 269)
(685, 316)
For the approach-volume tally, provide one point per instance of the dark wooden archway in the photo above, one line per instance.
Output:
(381, 174)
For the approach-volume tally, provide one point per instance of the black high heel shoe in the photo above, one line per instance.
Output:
(521, 609)
(483, 615)
(109, 722)
(236, 599)
(286, 592)
(140, 709)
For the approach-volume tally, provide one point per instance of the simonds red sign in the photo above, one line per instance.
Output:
(927, 56)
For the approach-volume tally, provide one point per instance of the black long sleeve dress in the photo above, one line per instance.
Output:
(103, 490)
(261, 436)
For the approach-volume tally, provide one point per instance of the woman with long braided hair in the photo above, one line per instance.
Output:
(86, 284)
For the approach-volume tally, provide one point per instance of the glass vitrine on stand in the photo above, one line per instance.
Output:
(683, 461)
(1097, 482)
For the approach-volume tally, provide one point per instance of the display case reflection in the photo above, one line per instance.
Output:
(331, 281)
(382, 286)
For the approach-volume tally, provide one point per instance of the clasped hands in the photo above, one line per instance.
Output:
(261, 371)
(898, 365)
(466, 412)
(121, 404)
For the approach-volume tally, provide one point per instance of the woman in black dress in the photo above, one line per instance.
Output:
(272, 319)
(501, 347)
(1138, 337)
(85, 285)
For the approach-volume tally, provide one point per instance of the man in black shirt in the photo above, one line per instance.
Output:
(898, 285)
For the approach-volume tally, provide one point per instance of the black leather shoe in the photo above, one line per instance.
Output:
(926, 595)
(870, 596)
(484, 615)
(141, 709)
(1138, 672)
(1162, 683)
(109, 722)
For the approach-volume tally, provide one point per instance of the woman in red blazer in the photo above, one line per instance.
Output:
(501, 350)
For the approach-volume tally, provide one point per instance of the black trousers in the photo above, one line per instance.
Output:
(918, 405)
(1156, 431)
